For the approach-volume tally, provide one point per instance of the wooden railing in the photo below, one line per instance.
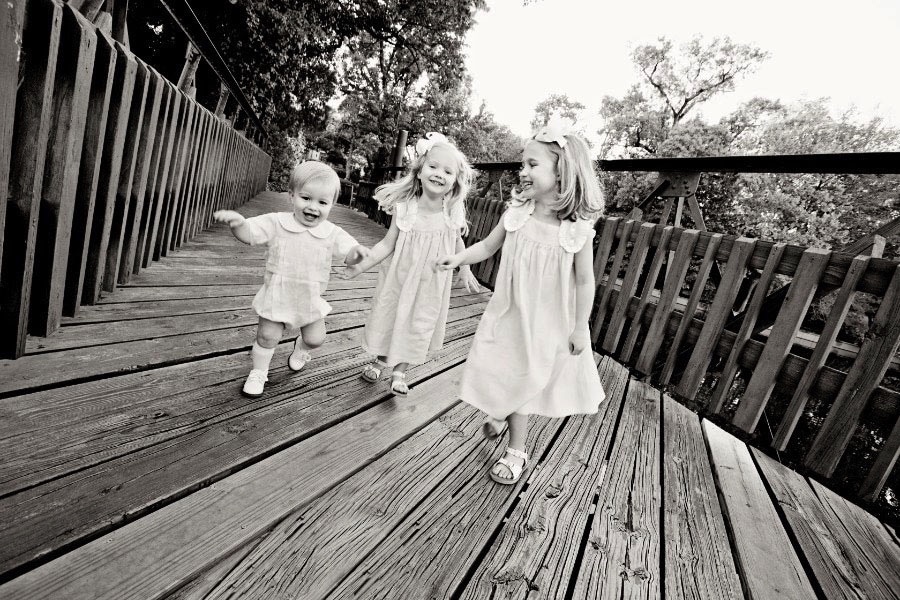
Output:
(722, 320)
(105, 166)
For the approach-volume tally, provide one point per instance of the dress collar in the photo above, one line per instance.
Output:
(321, 231)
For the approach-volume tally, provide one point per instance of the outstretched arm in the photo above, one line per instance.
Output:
(465, 276)
(239, 227)
(476, 252)
(580, 338)
(378, 253)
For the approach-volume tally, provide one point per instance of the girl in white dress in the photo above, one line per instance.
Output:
(411, 299)
(532, 353)
(300, 246)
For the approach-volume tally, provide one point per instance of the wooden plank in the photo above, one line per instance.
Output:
(12, 19)
(77, 48)
(675, 274)
(715, 319)
(311, 551)
(156, 554)
(134, 144)
(148, 149)
(89, 174)
(879, 346)
(693, 300)
(629, 285)
(724, 381)
(765, 557)
(157, 249)
(40, 42)
(600, 315)
(841, 565)
(161, 153)
(829, 334)
(77, 364)
(165, 243)
(121, 100)
(787, 324)
(188, 188)
(607, 237)
(537, 548)
(440, 540)
(698, 556)
(866, 533)
(622, 557)
(162, 203)
(883, 465)
(649, 289)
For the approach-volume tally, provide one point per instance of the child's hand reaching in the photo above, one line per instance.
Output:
(447, 263)
(468, 280)
(231, 217)
(351, 271)
(578, 341)
(356, 255)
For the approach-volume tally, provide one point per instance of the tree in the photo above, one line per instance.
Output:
(556, 105)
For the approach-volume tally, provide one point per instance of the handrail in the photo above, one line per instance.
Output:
(187, 20)
(849, 163)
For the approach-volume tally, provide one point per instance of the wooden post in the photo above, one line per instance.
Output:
(119, 10)
(223, 100)
(12, 18)
(189, 70)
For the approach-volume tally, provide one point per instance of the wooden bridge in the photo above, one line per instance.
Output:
(133, 468)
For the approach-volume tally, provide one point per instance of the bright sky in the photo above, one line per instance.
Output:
(846, 50)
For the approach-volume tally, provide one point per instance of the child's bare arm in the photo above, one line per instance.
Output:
(476, 252)
(579, 339)
(378, 253)
(465, 276)
(237, 223)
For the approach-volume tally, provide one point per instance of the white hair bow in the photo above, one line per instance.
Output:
(428, 141)
(554, 131)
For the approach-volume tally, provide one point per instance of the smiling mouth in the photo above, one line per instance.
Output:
(310, 216)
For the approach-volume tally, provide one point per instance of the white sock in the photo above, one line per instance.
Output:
(261, 357)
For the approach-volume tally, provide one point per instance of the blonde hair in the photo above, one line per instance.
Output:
(311, 170)
(580, 196)
(408, 187)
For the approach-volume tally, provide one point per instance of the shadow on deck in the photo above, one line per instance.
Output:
(133, 468)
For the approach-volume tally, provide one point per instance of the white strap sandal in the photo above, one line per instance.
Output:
(398, 384)
(515, 469)
(372, 371)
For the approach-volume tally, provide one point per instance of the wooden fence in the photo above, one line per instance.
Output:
(105, 166)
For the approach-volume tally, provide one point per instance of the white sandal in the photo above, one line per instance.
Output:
(514, 469)
(372, 372)
(398, 384)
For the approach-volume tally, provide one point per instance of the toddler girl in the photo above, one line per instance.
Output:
(298, 264)
(411, 299)
(531, 353)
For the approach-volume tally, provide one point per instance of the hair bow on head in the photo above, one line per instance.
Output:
(428, 141)
(554, 131)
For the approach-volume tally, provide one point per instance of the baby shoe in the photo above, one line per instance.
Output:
(256, 381)
(299, 357)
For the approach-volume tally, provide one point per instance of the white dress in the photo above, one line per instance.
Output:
(411, 302)
(519, 361)
(298, 267)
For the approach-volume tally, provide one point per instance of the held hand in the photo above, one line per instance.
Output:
(446, 263)
(468, 280)
(578, 341)
(351, 271)
(356, 255)
(232, 218)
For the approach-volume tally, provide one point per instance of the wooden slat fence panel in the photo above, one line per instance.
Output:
(99, 159)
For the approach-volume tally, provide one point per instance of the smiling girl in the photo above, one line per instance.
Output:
(300, 246)
(411, 300)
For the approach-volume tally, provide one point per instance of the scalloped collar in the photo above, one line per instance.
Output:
(408, 211)
(321, 231)
(572, 234)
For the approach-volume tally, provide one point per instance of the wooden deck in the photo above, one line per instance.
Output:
(133, 468)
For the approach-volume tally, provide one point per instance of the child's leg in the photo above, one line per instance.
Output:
(268, 334)
(311, 336)
(518, 434)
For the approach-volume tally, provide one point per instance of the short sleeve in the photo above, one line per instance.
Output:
(262, 228)
(517, 215)
(574, 234)
(455, 217)
(405, 214)
(343, 243)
